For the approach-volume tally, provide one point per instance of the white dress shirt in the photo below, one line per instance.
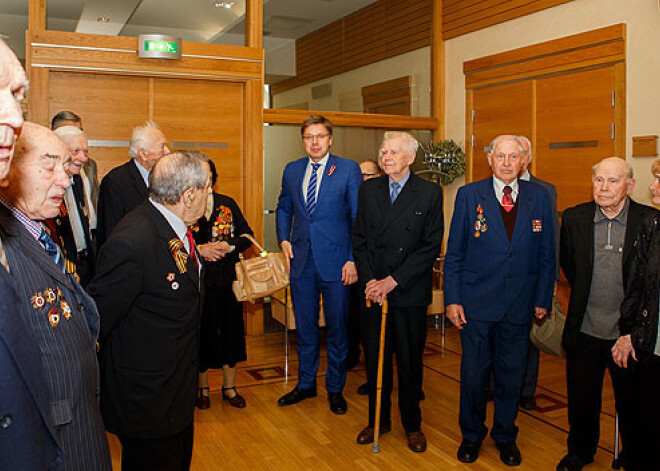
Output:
(319, 176)
(498, 186)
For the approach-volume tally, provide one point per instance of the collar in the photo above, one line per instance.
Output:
(33, 227)
(401, 182)
(323, 161)
(622, 217)
(525, 176)
(499, 185)
(143, 172)
(174, 221)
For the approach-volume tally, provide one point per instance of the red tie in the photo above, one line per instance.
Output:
(193, 252)
(507, 199)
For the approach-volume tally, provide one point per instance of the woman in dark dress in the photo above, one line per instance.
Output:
(217, 235)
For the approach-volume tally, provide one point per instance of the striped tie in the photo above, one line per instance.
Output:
(507, 199)
(51, 249)
(311, 190)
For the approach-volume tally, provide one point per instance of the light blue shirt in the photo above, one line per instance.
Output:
(143, 171)
(401, 183)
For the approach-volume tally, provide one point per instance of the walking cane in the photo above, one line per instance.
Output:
(379, 378)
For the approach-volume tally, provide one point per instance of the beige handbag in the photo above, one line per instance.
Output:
(259, 276)
(547, 335)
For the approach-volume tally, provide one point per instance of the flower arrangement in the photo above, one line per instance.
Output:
(445, 158)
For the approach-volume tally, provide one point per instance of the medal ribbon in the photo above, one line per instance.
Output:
(179, 254)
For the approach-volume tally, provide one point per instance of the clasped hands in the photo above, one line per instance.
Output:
(214, 251)
(376, 291)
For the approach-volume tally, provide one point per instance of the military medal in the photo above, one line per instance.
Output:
(179, 254)
(54, 317)
(51, 297)
(537, 226)
(38, 301)
(170, 277)
(480, 224)
(66, 310)
(175, 285)
(60, 294)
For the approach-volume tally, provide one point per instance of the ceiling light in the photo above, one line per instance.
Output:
(224, 4)
(102, 19)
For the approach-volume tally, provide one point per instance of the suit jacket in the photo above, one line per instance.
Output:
(328, 232)
(64, 323)
(552, 192)
(228, 222)
(401, 239)
(122, 190)
(27, 435)
(150, 315)
(577, 258)
(490, 276)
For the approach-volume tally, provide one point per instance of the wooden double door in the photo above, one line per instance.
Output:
(570, 119)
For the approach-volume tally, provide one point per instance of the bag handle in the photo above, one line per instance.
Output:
(254, 241)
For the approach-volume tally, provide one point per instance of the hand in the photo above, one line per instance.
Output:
(556, 288)
(377, 290)
(225, 247)
(349, 273)
(622, 350)
(211, 252)
(287, 253)
(540, 313)
(456, 314)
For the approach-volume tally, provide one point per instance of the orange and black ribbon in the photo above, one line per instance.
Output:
(179, 254)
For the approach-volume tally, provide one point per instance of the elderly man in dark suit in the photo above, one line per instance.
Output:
(27, 435)
(125, 187)
(60, 317)
(147, 287)
(397, 236)
(499, 272)
(596, 253)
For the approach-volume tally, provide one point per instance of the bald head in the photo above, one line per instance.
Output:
(37, 179)
(13, 85)
(613, 181)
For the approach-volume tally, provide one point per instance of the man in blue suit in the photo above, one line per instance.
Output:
(315, 214)
(499, 271)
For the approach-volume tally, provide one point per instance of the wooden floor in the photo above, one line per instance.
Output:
(307, 436)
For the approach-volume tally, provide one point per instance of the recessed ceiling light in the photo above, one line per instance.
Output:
(102, 19)
(224, 4)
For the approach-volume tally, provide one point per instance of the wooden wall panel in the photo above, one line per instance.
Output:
(379, 31)
(465, 16)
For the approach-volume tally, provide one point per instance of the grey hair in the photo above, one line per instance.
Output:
(409, 144)
(506, 137)
(630, 174)
(65, 132)
(139, 137)
(175, 173)
(525, 140)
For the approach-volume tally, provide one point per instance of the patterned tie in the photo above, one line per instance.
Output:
(192, 251)
(51, 249)
(395, 191)
(507, 199)
(311, 190)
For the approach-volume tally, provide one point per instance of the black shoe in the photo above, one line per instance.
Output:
(295, 396)
(528, 402)
(337, 403)
(352, 362)
(509, 453)
(468, 452)
(363, 389)
(572, 462)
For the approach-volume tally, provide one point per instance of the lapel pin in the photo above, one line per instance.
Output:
(51, 297)
(331, 170)
(38, 301)
(66, 310)
(54, 317)
(175, 285)
(170, 277)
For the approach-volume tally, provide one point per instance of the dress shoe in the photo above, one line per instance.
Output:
(337, 403)
(528, 402)
(468, 452)
(366, 436)
(203, 402)
(363, 389)
(416, 441)
(295, 396)
(352, 362)
(236, 400)
(572, 462)
(509, 453)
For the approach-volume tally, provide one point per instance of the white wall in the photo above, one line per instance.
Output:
(642, 64)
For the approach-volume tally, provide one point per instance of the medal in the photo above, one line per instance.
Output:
(50, 295)
(175, 286)
(170, 277)
(66, 310)
(38, 301)
(537, 225)
(54, 317)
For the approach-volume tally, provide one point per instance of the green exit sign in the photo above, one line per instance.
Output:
(157, 46)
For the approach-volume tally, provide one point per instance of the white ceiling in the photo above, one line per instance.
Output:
(192, 20)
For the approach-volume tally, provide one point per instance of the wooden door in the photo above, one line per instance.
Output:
(574, 129)
(503, 109)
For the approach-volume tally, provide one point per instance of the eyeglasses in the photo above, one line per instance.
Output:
(315, 137)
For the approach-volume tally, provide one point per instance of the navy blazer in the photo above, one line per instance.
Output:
(122, 190)
(328, 231)
(27, 436)
(67, 345)
(490, 276)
